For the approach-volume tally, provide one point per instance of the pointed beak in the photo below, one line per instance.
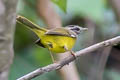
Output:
(84, 29)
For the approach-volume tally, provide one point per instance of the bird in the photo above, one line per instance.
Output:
(56, 40)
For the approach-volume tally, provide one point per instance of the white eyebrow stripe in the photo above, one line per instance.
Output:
(73, 35)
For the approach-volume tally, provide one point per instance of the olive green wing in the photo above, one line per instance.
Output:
(61, 32)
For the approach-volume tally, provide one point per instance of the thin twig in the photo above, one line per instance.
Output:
(70, 58)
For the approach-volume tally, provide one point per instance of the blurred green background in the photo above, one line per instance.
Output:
(29, 56)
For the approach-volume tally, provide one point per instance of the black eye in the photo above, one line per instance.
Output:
(77, 29)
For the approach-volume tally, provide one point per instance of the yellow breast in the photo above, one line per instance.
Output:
(58, 43)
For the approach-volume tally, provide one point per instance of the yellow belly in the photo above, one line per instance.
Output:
(58, 43)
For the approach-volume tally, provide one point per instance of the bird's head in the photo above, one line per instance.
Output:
(75, 28)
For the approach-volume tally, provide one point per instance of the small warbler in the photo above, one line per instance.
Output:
(57, 40)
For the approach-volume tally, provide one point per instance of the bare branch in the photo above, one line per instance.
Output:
(70, 58)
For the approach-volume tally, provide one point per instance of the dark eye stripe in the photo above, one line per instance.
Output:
(77, 29)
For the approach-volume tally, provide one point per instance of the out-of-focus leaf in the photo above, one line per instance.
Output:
(27, 9)
(61, 3)
(41, 55)
(23, 65)
(93, 9)
(111, 74)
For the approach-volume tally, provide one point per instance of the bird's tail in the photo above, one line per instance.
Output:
(35, 28)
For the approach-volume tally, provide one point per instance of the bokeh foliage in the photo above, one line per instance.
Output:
(61, 3)
(29, 56)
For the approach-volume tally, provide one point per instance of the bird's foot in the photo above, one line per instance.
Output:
(72, 53)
